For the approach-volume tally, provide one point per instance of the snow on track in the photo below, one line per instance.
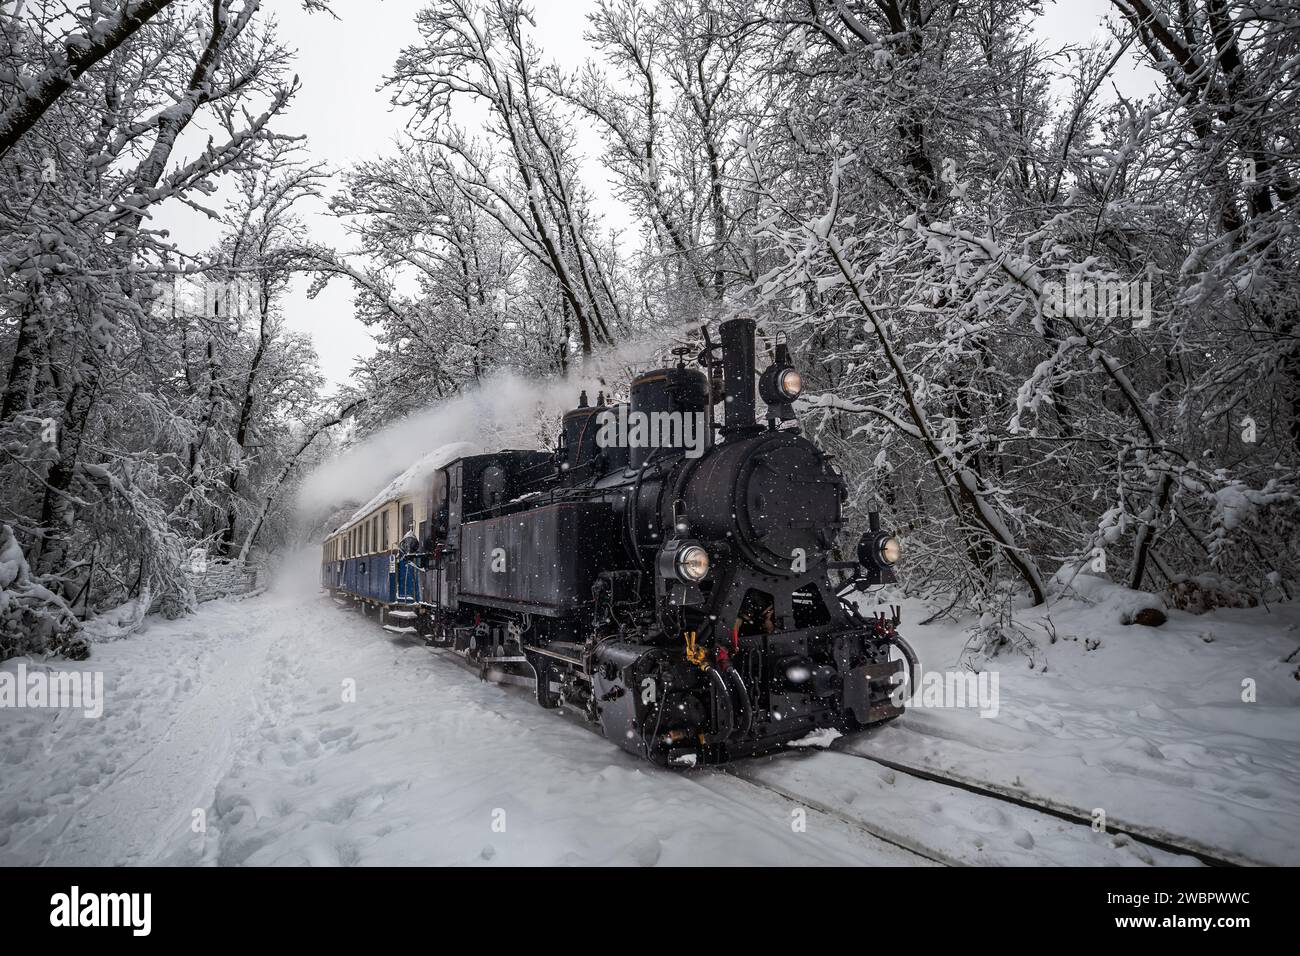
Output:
(943, 823)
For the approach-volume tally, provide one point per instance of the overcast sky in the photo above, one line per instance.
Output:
(346, 118)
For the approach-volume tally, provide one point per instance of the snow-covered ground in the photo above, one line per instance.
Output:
(233, 737)
(1147, 724)
(239, 712)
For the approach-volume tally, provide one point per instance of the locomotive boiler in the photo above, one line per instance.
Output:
(667, 573)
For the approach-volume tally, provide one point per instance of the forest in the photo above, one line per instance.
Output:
(1044, 326)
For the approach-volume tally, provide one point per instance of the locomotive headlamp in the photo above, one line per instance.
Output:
(790, 383)
(878, 553)
(692, 563)
(879, 549)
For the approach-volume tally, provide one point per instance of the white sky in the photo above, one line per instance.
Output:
(347, 119)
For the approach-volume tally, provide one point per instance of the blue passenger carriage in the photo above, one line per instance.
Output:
(379, 556)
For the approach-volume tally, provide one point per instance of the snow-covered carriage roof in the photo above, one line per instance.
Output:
(412, 479)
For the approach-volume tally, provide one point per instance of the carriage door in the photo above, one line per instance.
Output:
(407, 586)
(404, 563)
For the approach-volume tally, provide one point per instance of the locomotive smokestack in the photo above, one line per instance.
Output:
(738, 374)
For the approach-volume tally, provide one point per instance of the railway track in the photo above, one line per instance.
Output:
(884, 834)
(1160, 846)
(1156, 839)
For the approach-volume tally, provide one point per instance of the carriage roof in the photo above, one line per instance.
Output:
(409, 481)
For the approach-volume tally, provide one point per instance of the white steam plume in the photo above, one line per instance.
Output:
(506, 411)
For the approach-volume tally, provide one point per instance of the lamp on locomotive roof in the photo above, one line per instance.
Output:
(780, 384)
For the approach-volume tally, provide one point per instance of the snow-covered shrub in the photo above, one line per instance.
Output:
(1206, 592)
(997, 632)
(33, 620)
(140, 550)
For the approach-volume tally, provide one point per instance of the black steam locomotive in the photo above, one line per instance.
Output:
(668, 576)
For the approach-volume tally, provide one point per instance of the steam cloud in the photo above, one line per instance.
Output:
(507, 410)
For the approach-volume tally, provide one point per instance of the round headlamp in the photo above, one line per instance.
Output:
(790, 383)
(692, 563)
(879, 549)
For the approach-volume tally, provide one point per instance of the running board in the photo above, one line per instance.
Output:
(404, 615)
(400, 630)
(547, 652)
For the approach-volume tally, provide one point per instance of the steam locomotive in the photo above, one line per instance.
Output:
(667, 575)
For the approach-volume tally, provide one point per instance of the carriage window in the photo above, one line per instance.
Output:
(383, 530)
(408, 518)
